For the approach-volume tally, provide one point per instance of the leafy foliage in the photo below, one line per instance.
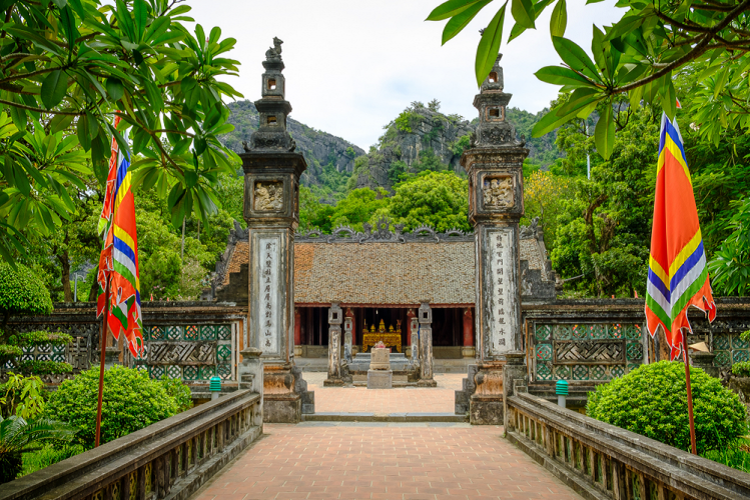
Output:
(741, 369)
(638, 56)
(17, 436)
(68, 68)
(22, 396)
(179, 391)
(130, 402)
(652, 401)
(47, 456)
(730, 267)
(437, 199)
(22, 292)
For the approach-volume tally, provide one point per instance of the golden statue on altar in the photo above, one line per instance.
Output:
(391, 338)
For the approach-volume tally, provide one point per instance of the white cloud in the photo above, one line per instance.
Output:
(352, 66)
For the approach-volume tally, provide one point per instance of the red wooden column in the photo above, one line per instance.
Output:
(297, 327)
(468, 350)
(350, 314)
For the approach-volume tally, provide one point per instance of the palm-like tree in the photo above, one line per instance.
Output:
(17, 436)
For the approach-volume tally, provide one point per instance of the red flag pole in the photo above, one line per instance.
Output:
(689, 391)
(103, 336)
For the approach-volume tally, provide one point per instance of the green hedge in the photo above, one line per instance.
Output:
(131, 401)
(652, 401)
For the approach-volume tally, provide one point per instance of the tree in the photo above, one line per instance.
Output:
(544, 196)
(437, 199)
(70, 66)
(23, 293)
(358, 207)
(638, 55)
(730, 268)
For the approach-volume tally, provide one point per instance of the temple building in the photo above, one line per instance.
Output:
(380, 277)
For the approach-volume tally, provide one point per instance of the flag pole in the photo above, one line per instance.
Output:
(689, 392)
(103, 337)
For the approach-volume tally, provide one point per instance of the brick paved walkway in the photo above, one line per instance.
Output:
(438, 399)
(386, 461)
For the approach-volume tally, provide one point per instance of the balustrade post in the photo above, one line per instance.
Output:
(642, 485)
(220, 432)
(617, 492)
(592, 463)
(125, 486)
(141, 493)
(660, 493)
(549, 434)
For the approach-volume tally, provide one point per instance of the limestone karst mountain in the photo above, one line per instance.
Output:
(420, 138)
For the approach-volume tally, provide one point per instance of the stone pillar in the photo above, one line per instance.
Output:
(425, 346)
(297, 333)
(413, 329)
(468, 350)
(335, 318)
(272, 171)
(348, 334)
(494, 164)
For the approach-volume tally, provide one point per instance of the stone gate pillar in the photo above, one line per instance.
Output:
(425, 346)
(335, 318)
(413, 335)
(272, 171)
(494, 165)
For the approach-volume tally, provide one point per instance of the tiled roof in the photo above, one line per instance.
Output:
(383, 273)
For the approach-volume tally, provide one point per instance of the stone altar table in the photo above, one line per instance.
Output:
(380, 375)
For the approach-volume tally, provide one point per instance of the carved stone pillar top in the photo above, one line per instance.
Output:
(425, 313)
(335, 316)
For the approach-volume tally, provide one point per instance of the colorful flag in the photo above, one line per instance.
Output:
(119, 258)
(677, 273)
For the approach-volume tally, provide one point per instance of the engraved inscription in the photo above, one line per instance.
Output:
(600, 352)
(497, 192)
(182, 353)
(269, 195)
(268, 310)
(504, 321)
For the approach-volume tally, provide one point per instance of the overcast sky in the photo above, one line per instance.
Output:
(353, 65)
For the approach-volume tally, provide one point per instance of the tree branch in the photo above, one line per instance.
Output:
(40, 110)
(696, 51)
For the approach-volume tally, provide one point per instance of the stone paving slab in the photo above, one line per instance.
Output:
(440, 399)
(393, 461)
(383, 417)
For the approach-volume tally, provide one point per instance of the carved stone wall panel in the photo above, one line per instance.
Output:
(182, 353)
(594, 352)
(268, 195)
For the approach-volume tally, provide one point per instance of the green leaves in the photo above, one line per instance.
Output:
(489, 46)
(460, 20)
(559, 20)
(449, 9)
(54, 87)
(604, 134)
(523, 13)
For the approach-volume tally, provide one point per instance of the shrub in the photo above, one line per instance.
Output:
(652, 401)
(741, 369)
(179, 391)
(47, 456)
(17, 436)
(131, 401)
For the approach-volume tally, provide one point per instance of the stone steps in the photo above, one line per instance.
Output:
(384, 417)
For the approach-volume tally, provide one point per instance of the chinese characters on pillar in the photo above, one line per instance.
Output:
(268, 296)
(504, 292)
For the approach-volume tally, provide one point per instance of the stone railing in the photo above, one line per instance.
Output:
(600, 461)
(171, 458)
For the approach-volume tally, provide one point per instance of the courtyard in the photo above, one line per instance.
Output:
(425, 461)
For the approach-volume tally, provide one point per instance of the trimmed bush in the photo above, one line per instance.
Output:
(131, 401)
(741, 369)
(652, 401)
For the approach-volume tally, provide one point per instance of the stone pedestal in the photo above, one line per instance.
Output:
(380, 375)
(380, 379)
